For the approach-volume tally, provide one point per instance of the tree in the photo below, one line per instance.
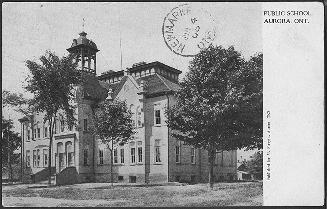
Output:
(219, 104)
(10, 141)
(255, 165)
(51, 82)
(113, 124)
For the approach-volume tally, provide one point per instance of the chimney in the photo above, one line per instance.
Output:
(126, 72)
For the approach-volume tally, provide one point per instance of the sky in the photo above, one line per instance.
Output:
(29, 29)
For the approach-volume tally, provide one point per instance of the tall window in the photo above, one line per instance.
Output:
(28, 135)
(101, 156)
(115, 156)
(45, 157)
(62, 125)
(178, 154)
(122, 160)
(28, 159)
(45, 131)
(157, 151)
(38, 158)
(38, 133)
(85, 156)
(133, 155)
(35, 133)
(70, 153)
(85, 124)
(70, 127)
(34, 158)
(157, 117)
(61, 152)
(192, 155)
(55, 126)
(139, 117)
(139, 154)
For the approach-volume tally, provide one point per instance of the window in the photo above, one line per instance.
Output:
(55, 126)
(28, 159)
(45, 158)
(192, 155)
(34, 133)
(70, 127)
(122, 156)
(60, 150)
(38, 133)
(139, 153)
(139, 117)
(120, 178)
(28, 135)
(38, 158)
(70, 153)
(45, 131)
(157, 117)
(133, 154)
(100, 156)
(157, 151)
(85, 124)
(132, 109)
(178, 153)
(115, 156)
(34, 158)
(62, 125)
(132, 179)
(85, 156)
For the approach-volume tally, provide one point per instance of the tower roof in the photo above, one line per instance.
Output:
(83, 41)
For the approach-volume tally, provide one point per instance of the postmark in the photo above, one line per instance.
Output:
(187, 29)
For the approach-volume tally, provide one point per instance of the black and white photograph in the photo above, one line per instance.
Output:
(160, 104)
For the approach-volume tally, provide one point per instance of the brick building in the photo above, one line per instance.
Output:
(153, 156)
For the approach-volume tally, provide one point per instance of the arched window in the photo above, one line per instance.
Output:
(70, 153)
(60, 151)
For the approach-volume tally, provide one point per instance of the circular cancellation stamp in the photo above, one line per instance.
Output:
(186, 30)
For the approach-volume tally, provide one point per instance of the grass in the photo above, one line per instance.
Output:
(223, 194)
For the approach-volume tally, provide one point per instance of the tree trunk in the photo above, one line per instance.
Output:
(211, 156)
(111, 165)
(9, 165)
(51, 121)
(10, 169)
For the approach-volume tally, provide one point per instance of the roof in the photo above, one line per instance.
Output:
(154, 84)
(116, 87)
(83, 41)
(153, 64)
(242, 167)
(139, 67)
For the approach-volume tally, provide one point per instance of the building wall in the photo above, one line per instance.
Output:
(158, 171)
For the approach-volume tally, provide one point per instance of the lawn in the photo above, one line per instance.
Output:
(100, 194)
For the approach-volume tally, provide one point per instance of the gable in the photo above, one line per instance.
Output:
(128, 92)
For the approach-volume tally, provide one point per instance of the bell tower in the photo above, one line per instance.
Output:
(85, 53)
